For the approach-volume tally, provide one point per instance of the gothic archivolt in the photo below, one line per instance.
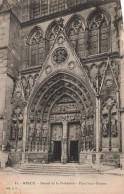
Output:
(42, 110)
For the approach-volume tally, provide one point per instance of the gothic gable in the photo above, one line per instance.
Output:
(110, 78)
(62, 58)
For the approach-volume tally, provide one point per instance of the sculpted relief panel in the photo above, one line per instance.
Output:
(96, 73)
(74, 131)
(56, 132)
(65, 117)
(28, 82)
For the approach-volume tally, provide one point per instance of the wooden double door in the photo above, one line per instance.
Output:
(72, 151)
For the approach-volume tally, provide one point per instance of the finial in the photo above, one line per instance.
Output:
(60, 22)
(5, 6)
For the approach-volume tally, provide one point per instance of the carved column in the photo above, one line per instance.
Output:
(122, 98)
(98, 132)
(64, 144)
(24, 134)
(122, 114)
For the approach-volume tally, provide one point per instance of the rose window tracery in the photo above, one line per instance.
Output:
(60, 55)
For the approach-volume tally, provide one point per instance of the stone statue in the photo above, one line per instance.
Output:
(105, 128)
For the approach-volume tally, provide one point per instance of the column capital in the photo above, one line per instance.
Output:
(64, 123)
(64, 139)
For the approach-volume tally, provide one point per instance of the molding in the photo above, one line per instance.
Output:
(31, 70)
(100, 57)
(12, 77)
(4, 47)
(11, 13)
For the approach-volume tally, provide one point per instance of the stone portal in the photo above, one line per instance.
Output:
(61, 120)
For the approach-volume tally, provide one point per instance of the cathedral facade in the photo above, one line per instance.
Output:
(61, 66)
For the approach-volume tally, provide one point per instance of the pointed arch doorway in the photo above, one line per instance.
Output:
(61, 120)
(65, 137)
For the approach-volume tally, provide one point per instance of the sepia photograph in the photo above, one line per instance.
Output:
(61, 97)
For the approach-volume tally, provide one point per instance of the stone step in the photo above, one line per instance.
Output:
(59, 172)
(56, 169)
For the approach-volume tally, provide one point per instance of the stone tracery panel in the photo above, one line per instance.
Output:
(51, 34)
(77, 36)
(28, 82)
(110, 110)
(36, 46)
(97, 71)
(60, 55)
(99, 33)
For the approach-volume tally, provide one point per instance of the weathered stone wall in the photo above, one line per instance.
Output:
(9, 64)
(4, 40)
(14, 51)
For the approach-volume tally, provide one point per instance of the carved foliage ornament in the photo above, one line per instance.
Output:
(60, 39)
(36, 37)
(76, 26)
(71, 65)
(98, 19)
(48, 69)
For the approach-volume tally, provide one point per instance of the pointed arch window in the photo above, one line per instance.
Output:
(44, 7)
(36, 48)
(35, 8)
(73, 3)
(99, 34)
(77, 36)
(61, 5)
(51, 35)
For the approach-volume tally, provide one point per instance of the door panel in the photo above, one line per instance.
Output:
(57, 151)
(73, 151)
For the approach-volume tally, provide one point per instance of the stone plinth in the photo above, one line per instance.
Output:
(38, 157)
(64, 159)
(110, 158)
(15, 158)
(85, 157)
(3, 159)
(122, 161)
